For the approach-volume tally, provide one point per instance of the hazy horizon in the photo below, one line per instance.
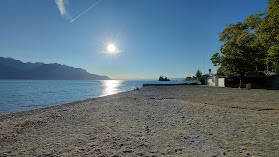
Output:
(145, 39)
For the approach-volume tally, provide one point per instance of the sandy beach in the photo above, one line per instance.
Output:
(155, 121)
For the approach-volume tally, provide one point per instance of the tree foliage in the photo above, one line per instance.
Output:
(268, 31)
(198, 75)
(202, 79)
(241, 52)
(248, 46)
(188, 78)
(220, 71)
(162, 78)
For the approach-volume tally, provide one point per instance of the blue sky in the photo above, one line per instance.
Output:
(173, 38)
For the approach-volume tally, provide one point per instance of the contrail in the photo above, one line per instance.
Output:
(85, 11)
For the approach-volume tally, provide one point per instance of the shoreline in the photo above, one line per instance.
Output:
(72, 102)
(155, 121)
(21, 97)
(77, 101)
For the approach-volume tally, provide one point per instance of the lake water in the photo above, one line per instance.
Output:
(19, 95)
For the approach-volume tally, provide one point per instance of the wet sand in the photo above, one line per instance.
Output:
(155, 121)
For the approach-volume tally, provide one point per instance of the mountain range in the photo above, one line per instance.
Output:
(15, 69)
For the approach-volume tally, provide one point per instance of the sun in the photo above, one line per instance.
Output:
(111, 48)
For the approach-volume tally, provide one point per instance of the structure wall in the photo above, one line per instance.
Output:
(221, 82)
(210, 81)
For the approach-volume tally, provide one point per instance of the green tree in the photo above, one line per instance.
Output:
(161, 78)
(250, 46)
(198, 75)
(220, 70)
(202, 80)
(268, 31)
(241, 52)
(188, 78)
(166, 79)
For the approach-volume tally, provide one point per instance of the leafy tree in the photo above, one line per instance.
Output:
(198, 75)
(188, 78)
(250, 46)
(220, 70)
(161, 78)
(241, 52)
(202, 80)
(268, 31)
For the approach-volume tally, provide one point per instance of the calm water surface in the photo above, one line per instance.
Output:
(18, 95)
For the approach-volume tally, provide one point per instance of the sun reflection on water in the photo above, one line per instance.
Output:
(111, 87)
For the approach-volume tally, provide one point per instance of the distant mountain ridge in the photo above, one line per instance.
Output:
(15, 69)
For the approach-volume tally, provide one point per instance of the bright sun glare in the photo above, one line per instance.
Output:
(111, 48)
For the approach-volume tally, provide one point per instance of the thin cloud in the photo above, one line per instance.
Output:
(61, 6)
(64, 13)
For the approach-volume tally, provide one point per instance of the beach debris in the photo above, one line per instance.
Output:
(137, 89)
(156, 96)
(128, 151)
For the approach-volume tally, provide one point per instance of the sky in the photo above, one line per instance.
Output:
(173, 38)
